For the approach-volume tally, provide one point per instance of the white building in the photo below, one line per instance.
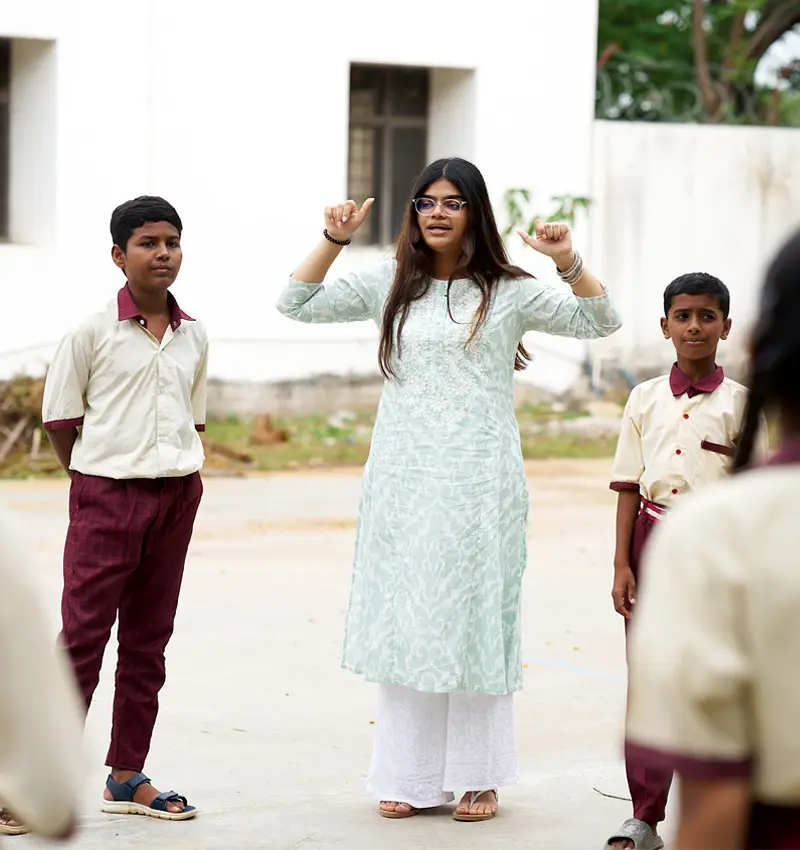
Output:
(251, 117)
(250, 120)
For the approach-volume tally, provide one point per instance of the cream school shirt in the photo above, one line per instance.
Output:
(138, 403)
(677, 435)
(715, 645)
(41, 721)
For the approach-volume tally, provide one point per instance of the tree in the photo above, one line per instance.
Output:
(690, 59)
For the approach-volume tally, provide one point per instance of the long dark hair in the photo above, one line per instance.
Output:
(775, 348)
(483, 258)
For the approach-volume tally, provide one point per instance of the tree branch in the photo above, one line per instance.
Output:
(735, 43)
(711, 98)
(780, 20)
(608, 51)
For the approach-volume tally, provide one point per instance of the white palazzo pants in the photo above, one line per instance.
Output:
(428, 746)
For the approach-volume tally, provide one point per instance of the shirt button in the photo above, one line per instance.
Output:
(674, 492)
(142, 322)
(678, 452)
(685, 415)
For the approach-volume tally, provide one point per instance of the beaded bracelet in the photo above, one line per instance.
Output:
(335, 241)
(573, 274)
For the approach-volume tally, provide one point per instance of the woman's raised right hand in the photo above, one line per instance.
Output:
(343, 220)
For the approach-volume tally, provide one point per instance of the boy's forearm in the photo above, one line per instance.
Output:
(627, 510)
(714, 814)
(63, 441)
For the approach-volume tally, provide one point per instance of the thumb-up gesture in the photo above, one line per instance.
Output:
(551, 238)
(343, 220)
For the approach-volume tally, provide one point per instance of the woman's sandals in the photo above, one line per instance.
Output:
(473, 799)
(394, 814)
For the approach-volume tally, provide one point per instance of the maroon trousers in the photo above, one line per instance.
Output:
(649, 786)
(124, 555)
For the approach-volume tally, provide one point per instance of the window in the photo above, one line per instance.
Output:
(5, 85)
(388, 143)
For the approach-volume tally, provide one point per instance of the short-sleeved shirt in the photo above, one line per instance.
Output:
(714, 688)
(138, 403)
(677, 435)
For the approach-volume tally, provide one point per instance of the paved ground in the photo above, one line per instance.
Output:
(271, 739)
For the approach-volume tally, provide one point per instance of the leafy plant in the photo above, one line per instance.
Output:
(519, 206)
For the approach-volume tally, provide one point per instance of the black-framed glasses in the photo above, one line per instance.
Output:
(450, 206)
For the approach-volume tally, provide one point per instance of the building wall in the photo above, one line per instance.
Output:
(241, 120)
(671, 199)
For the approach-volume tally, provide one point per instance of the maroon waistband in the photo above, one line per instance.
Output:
(652, 509)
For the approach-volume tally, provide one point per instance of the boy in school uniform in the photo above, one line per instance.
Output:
(678, 433)
(124, 399)
(714, 691)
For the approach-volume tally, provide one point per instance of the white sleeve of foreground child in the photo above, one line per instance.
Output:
(41, 723)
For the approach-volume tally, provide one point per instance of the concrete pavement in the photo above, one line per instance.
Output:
(264, 732)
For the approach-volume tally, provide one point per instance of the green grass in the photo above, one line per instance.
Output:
(314, 441)
(549, 446)
(323, 441)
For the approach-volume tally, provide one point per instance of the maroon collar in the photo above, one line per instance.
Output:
(680, 383)
(127, 309)
(788, 453)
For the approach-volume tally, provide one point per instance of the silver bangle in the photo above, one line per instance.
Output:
(573, 274)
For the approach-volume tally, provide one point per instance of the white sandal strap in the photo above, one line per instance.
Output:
(474, 795)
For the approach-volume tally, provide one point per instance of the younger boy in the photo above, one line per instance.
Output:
(678, 433)
(124, 399)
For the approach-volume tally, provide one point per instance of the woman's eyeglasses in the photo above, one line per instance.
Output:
(450, 206)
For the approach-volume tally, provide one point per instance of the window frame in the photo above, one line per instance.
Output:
(5, 135)
(388, 122)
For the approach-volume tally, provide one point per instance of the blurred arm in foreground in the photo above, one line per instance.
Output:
(41, 724)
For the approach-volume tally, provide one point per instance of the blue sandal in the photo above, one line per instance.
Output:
(123, 803)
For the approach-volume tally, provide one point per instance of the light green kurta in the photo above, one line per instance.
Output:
(441, 539)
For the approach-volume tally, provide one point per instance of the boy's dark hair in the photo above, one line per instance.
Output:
(698, 283)
(138, 212)
(775, 348)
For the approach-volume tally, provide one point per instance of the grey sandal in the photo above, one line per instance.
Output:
(123, 803)
(639, 833)
(473, 798)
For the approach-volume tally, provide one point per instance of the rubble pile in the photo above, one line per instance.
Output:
(22, 441)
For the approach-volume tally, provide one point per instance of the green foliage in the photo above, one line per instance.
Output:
(649, 64)
(519, 206)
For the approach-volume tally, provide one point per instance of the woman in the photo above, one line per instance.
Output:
(441, 540)
(714, 689)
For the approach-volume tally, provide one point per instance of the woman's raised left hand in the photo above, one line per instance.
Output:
(553, 239)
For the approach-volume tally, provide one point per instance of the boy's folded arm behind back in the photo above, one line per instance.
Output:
(65, 392)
